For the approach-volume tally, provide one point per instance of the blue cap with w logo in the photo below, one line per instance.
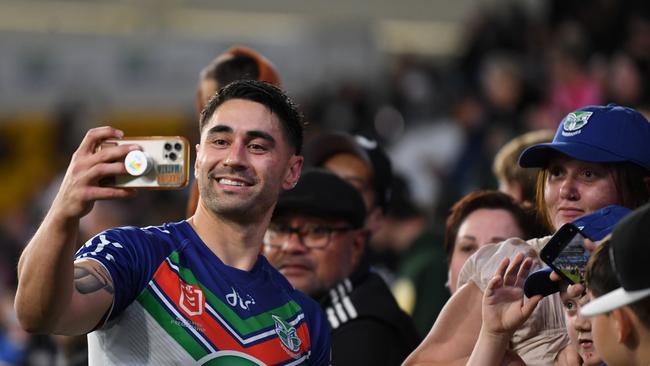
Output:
(597, 134)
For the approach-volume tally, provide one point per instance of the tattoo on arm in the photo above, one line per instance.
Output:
(90, 277)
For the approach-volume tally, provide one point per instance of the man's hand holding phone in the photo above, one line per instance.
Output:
(81, 187)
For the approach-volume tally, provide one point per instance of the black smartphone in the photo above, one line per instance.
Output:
(566, 254)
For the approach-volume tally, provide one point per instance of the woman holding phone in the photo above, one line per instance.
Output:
(600, 156)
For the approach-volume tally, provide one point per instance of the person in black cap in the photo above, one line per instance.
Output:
(323, 259)
(366, 166)
(599, 156)
(618, 281)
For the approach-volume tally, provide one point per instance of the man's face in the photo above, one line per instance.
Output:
(314, 270)
(244, 160)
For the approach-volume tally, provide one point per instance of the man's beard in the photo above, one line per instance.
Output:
(233, 205)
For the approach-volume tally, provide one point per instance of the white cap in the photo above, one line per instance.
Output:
(628, 257)
(613, 300)
(137, 163)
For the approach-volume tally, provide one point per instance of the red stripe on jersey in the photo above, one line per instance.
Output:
(270, 351)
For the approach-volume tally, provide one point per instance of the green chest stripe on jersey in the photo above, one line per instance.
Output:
(200, 328)
(172, 325)
(243, 326)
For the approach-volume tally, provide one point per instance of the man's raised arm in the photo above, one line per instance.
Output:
(54, 294)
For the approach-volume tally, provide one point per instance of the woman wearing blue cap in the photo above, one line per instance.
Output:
(600, 156)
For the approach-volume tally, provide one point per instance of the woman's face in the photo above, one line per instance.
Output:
(480, 227)
(574, 188)
(579, 329)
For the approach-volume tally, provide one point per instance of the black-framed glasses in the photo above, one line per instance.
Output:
(312, 236)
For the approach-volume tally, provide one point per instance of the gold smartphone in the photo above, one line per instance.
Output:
(163, 163)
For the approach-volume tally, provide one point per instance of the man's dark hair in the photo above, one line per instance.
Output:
(601, 279)
(277, 101)
(238, 67)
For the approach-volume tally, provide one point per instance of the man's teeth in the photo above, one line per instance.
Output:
(229, 182)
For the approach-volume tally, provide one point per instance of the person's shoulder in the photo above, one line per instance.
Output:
(507, 247)
(513, 242)
(135, 239)
(163, 230)
(369, 301)
(166, 229)
(369, 342)
(371, 296)
(488, 251)
(175, 234)
(481, 265)
(376, 332)
(122, 237)
(539, 243)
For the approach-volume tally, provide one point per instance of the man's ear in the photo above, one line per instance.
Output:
(622, 324)
(293, 172)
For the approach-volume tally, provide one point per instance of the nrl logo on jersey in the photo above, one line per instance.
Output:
(574, 122)
(287, 334)
(191, 300)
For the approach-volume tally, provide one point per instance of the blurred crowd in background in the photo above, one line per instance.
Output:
(440, 121)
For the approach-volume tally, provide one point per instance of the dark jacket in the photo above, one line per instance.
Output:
(368, 327)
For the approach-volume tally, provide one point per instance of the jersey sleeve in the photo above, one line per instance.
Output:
(129, 256)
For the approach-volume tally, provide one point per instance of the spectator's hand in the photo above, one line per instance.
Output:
(503, 301)
(575, 290)
(80, 187)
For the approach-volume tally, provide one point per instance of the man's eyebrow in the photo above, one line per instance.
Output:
(219, 129)
(261, 135)
(253, 134)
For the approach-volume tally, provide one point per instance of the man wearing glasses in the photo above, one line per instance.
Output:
(316, 240)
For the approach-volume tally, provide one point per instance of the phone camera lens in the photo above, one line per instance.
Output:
(168, 146)
(178, 146)
(172, 156)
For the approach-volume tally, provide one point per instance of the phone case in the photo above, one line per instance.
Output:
(163, 163)
(564, 256)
